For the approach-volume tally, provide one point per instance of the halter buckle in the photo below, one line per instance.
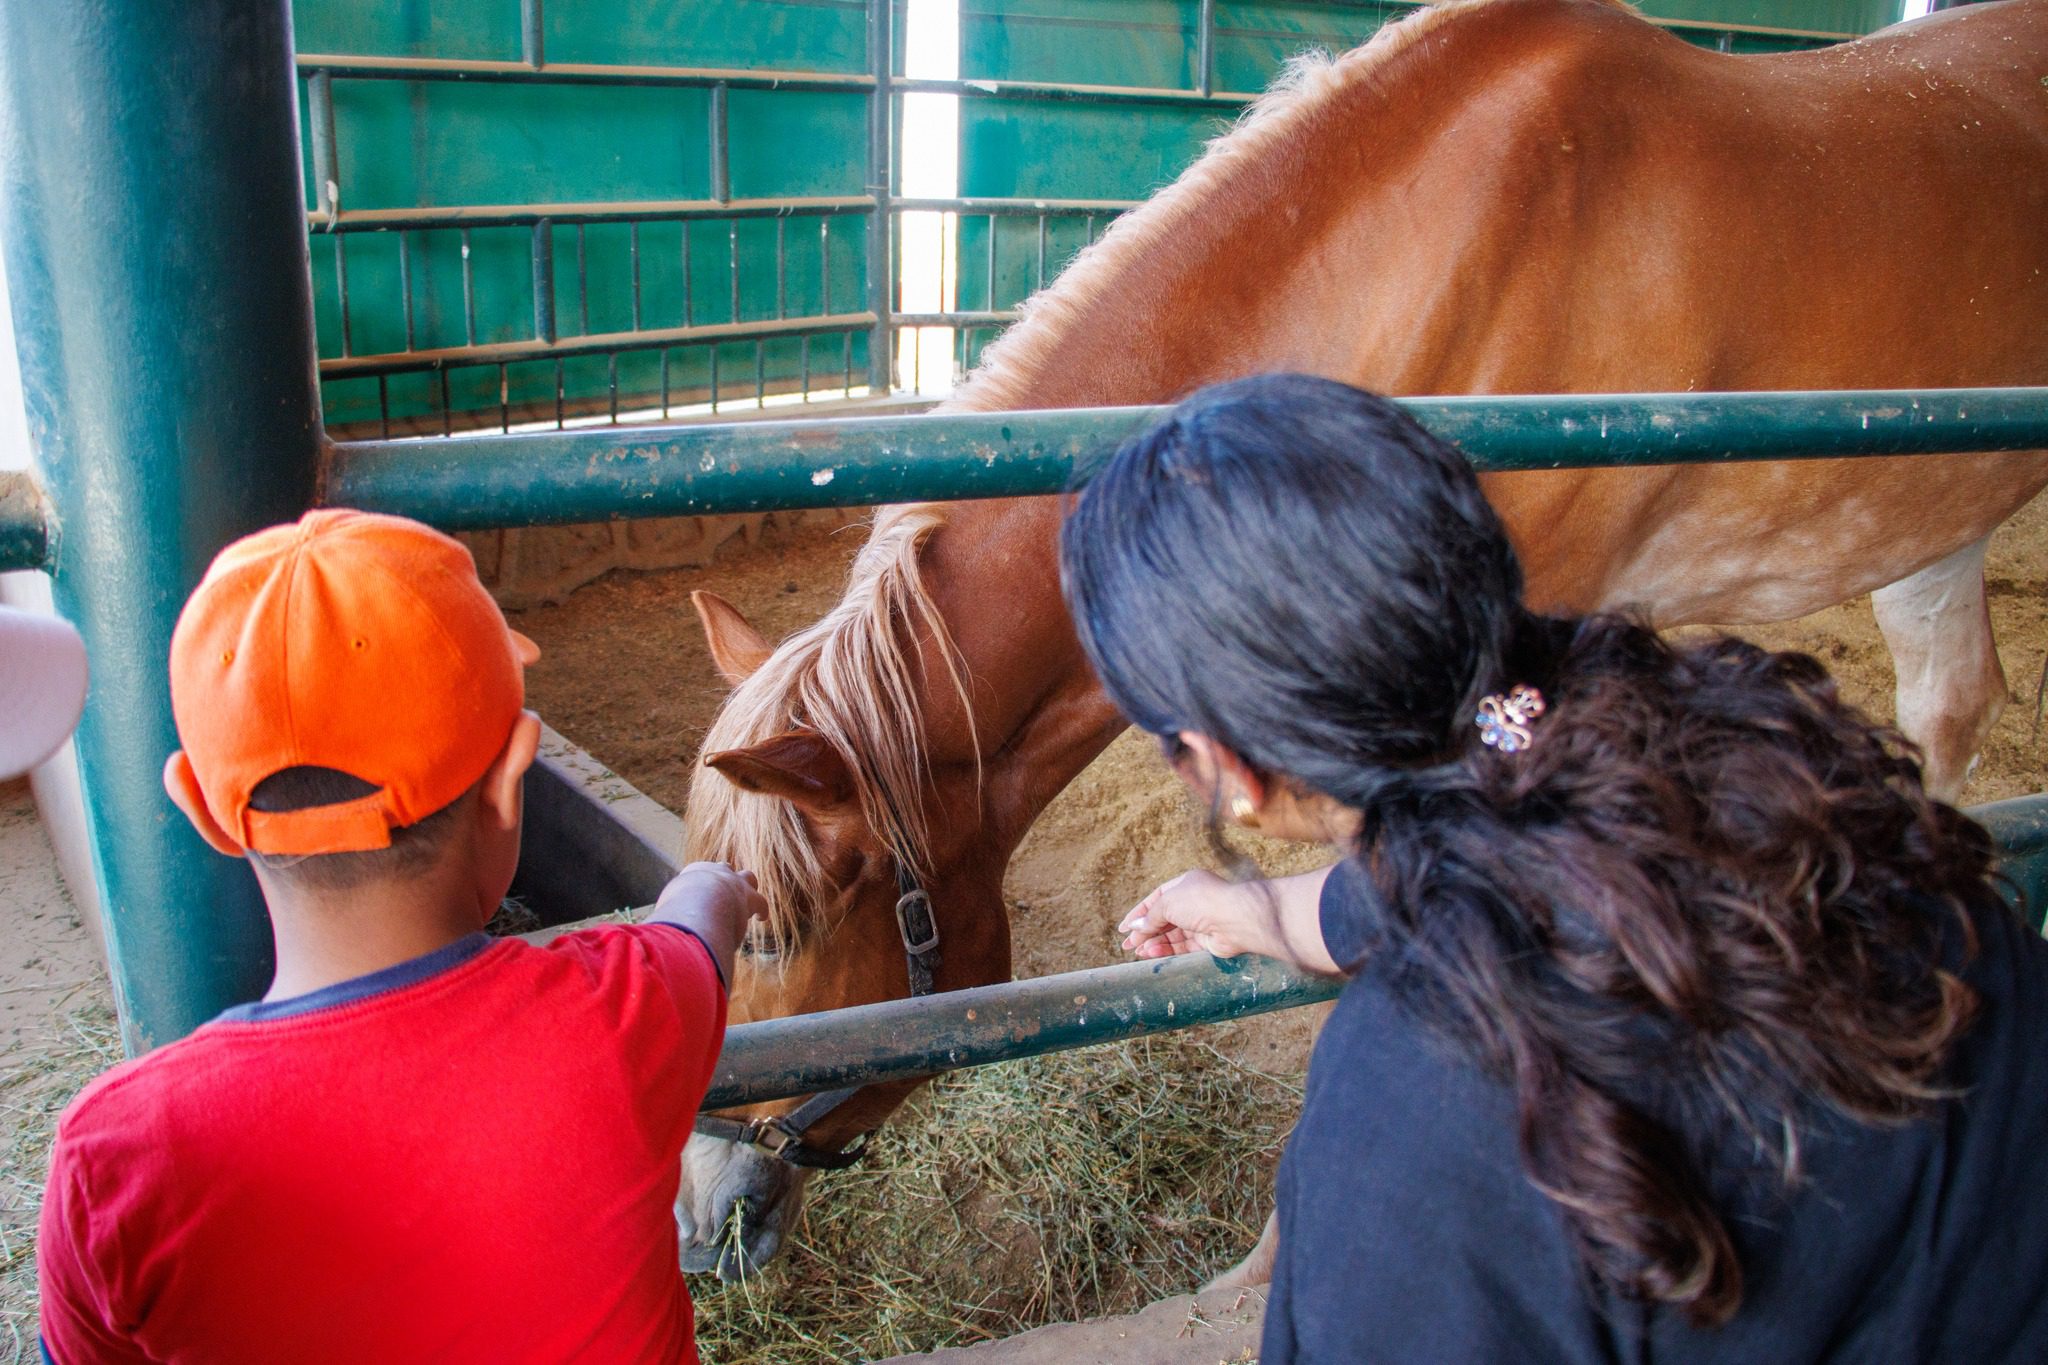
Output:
(917, 942)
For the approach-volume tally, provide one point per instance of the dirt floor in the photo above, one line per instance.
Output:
(56, 1033)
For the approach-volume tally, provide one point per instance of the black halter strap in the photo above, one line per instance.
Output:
(783, 1135)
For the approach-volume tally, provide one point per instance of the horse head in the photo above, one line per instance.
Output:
(817, 776)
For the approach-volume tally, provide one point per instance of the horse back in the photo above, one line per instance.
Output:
(1593, 205)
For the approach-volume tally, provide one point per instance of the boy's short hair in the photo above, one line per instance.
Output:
(358, 644)
(413, 850)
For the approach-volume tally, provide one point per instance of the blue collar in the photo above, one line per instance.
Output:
(392, 978)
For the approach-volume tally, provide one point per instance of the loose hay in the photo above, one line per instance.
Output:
(35, 1085)
(1049, 1190)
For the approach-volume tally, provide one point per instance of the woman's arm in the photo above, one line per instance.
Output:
(1199, 911)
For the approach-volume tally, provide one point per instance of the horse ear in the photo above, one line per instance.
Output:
(737, 649)
(801, 767)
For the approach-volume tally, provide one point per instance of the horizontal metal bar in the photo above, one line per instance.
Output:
(351, 67)
(513, 352)
(24, 521)
(2019, 827)
(960, 318)
(563, 477)
(620, 211)
(907, 1039)
(1017, 208)
(1076, 93)
(902, 1040)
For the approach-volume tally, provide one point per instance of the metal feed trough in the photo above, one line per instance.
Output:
(178, 352)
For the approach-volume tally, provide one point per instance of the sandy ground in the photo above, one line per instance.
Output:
(56, 1031)
(1217, 1328)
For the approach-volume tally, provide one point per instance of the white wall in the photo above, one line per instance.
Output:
(56, 782)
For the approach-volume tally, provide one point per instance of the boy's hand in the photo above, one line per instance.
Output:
(1199, 912)
(717, 887)
(714, 902)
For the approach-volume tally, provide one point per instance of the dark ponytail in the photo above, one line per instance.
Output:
(1697, 905)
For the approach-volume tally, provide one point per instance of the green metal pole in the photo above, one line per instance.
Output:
(156, 253)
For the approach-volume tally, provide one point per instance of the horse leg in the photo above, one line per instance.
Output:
(1950, 684)
(1257, 1266)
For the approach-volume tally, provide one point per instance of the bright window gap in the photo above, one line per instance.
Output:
(928, 243)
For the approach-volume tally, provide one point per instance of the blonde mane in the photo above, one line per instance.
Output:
(853, 678)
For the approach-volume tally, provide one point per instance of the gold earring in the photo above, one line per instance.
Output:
(1244, 812)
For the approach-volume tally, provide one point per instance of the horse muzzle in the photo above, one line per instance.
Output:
(734, 1206)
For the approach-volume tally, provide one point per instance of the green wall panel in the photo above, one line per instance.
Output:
(811, 35)
(415, 144)
(1817, 16)
(407, 144)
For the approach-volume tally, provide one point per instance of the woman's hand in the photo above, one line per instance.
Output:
(1200, 912)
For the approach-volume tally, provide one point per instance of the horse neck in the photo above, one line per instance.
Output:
(1262, 258)
(993, 569)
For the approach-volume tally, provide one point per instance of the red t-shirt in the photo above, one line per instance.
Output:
(472, 1156)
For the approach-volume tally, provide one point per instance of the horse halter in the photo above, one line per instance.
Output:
(783, 1136)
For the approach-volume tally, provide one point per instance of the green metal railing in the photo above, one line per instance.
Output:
(156, 230)
(902, 1040)
(156, 262)
(577, 476)
(598, 473)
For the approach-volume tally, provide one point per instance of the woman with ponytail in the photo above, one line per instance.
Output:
(1681, 1024)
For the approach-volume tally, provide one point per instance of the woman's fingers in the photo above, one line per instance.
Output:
(1178, 917)
(1142, 911)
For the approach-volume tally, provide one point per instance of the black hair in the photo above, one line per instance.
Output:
(1708, 880)
(1293, 536)
(414, 848)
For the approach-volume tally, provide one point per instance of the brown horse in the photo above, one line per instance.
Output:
(1494, 196)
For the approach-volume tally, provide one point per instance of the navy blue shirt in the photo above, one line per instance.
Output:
(1409, 1232)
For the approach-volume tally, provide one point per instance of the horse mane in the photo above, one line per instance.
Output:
(1277, 119)
(852, 677)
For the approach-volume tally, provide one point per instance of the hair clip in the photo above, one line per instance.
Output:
(1504, 721)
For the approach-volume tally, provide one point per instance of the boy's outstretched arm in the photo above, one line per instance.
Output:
(714, 902)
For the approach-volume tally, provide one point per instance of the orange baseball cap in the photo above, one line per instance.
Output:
(346, 640)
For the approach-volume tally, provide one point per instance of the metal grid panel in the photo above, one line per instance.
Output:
(551, 212)
(548, 213)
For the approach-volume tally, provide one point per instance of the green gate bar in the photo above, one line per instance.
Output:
(156, 254)
(590, 475)
(908, 1039)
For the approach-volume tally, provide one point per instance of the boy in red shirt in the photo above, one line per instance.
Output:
(423, 1143)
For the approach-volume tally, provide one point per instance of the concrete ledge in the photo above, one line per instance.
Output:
(1218, 1328)
(594, 843)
